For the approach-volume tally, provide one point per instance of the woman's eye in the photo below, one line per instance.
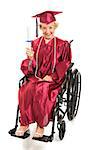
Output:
(50, 27)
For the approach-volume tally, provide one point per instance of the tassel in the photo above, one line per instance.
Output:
(36, 27)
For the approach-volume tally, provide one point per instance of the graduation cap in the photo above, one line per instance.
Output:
(46, 17)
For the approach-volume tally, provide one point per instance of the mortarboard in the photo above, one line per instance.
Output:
(45, 17)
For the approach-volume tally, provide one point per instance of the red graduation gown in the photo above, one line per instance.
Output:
(37, 99)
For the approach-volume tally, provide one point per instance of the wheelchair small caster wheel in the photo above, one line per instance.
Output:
(62, 130)
(51, 138)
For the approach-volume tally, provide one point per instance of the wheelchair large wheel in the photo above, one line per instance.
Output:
(62, 130)
(74, 95)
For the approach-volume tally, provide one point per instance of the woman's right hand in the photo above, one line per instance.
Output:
(30, 53)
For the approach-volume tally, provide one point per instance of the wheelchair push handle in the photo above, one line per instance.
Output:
(71, 41)
(70, 66)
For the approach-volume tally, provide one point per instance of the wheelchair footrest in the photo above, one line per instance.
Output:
(12, 133)
(45, 138)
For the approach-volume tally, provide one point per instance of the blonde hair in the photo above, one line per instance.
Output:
(56, 24)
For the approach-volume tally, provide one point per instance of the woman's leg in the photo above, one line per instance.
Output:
(25, 105)
(39, 131)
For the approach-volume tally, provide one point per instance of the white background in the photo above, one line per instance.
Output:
(80, 22)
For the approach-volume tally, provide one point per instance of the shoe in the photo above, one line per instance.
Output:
(20, 132)
(38, 135)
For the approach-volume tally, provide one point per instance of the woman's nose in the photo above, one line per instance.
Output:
(47, 30)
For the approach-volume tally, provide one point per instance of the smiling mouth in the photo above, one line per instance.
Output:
(48, 38)
(47, 34)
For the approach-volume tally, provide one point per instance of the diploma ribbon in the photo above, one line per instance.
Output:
(37, 56)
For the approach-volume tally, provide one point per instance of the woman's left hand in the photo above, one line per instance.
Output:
(47, 78)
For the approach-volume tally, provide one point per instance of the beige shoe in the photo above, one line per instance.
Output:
(38, 135)
(21, 131)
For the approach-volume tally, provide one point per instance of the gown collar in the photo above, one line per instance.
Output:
(49, 42)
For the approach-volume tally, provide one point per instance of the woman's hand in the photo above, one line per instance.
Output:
(47, 78)
(30, 53)
(39, 78)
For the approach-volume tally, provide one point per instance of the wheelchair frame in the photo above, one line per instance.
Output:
(72, 87)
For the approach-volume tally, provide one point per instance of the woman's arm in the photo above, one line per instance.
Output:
(63, 62)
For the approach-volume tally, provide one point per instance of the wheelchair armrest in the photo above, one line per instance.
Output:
(22, 79)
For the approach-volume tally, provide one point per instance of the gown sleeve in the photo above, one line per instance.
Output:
(63, 63)
(27, 65)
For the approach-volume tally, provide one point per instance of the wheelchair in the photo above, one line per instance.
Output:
(69, 96)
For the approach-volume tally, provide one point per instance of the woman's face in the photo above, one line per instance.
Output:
(48, 30)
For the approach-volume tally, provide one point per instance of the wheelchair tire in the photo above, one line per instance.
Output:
(74, 99)
(62, 130)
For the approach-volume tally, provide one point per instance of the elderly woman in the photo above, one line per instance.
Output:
(46, 64)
